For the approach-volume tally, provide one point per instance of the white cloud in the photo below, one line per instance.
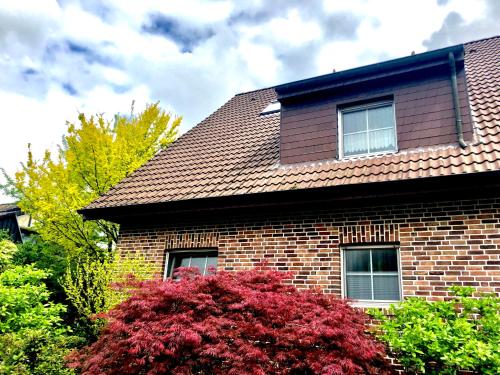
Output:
(42, 123)
(61, 57)
(260, 60)
(469, 10)
(390, 28)
(25, 25)
(293, 30)
(83, 26)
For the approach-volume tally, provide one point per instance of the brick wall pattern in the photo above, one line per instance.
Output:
(441, 243)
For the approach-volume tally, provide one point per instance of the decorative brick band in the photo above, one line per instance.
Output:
(191, 240)
(365, 233)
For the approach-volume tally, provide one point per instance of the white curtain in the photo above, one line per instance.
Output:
(368, 130)
(385, 287)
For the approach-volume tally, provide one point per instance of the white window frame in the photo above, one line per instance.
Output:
(173, 253)
(343, 274)
(371, 105)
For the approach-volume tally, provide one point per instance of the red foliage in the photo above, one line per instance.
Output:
(240, 323)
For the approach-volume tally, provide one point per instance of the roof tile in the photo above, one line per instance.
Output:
(236, 151)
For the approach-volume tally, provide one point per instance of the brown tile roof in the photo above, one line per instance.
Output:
(235, 151)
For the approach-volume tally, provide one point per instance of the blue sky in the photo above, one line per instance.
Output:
(59, 58)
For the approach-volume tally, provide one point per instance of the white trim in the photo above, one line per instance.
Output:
(370, 154)
(165, 269)
(401, 293)
(371, 274)
(368, 304)
(372, 105)
(369, 131)
(342, 274)
(205, 265)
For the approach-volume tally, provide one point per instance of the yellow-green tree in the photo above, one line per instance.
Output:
(95, 155)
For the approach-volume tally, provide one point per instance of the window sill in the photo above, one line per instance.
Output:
(369, 155)
(376, 304)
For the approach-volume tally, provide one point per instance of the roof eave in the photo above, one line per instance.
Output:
(461, 184)
(369, 72)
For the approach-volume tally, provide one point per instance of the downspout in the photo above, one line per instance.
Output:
(456, 105)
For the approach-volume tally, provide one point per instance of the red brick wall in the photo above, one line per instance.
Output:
(441, 243)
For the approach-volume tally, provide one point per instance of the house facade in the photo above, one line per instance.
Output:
(375, 183)
(9, 213)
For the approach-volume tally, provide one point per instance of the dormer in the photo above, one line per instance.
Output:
(413, 102)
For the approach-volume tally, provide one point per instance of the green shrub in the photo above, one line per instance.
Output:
(7, 250)
(47, 256)
(24, 301)
(33, 339)
(444, 337)
(36, 352)
(4, 235)
(92, 287)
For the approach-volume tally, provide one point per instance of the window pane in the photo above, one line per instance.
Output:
(382, 140)
(386, 287)
(354, 121)
(199, 262)
(358, 286)
(199, 259)
(178, 261)
(355, 144)
(385, 260)
(211, 261)
(357, 261)
(183, 262)
(380, 117)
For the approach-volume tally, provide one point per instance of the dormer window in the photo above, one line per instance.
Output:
(367, 129)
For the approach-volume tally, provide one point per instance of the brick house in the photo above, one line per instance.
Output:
(374, 183)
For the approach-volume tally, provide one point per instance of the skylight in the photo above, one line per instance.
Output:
(273, 107)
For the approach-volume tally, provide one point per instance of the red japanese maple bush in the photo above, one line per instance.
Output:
(247, 322)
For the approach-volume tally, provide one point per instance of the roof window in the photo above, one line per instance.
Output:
(273, 107)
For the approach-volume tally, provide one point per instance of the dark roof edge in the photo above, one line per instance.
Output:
(254, 91)
(320, 83)
(482, 39)
(9, 208)
(275, 198)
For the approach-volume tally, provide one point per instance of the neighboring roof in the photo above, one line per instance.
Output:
(235, 151)
(8, 220)
(9, 209)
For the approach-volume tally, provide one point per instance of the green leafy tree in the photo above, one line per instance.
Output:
(444, 337)
(73, 257)
(95, 155)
